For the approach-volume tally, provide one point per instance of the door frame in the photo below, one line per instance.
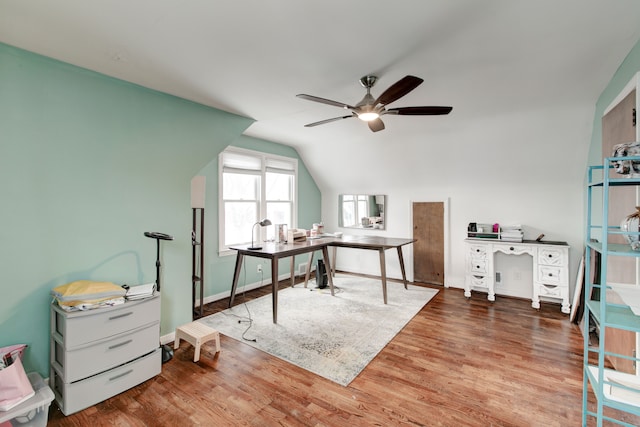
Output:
(447, 237)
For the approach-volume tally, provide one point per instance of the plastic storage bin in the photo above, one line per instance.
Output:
(33, 412)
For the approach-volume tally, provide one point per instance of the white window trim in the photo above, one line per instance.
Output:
(264, 160)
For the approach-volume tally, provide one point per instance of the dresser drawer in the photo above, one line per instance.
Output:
(478, 251)
(103, 355)
(478, 266)
(550, 275)
(80, 328)
(73, 397)
(478, 281)
(551, 291)
(551, 256)
(513, 249)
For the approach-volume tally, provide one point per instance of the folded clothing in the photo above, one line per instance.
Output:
(86, 291)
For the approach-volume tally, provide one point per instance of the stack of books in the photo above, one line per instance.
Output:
(512, 233)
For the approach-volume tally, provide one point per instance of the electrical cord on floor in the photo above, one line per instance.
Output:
(247, 319)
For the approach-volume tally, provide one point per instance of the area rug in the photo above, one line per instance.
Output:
(334, 337)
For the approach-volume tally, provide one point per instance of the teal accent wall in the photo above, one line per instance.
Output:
(623, 75)
(218, 271)
(88, 163)
(629, 67)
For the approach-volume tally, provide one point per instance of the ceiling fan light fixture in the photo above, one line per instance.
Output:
(370, 109)
(368, 116)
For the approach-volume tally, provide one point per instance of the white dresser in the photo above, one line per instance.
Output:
(99, 353)
(550, 268)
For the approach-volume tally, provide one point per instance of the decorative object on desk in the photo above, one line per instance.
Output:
(319, 228)
(262, 223)
(631, 168)
(334, 337)
(296, 235)
(483, 231)
(167, 353)
(512, 233)
(631, 224)
(281, 233)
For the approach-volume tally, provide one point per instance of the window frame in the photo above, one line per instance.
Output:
(271, 163)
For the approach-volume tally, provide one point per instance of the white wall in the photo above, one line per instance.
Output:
(525, 167)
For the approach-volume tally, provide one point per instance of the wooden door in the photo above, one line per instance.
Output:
(618, 127)
(428, 250)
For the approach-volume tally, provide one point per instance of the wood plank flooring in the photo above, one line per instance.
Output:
(459, 362)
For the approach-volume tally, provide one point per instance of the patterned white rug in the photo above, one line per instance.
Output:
(334, 337)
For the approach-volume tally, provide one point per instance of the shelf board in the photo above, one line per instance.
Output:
(616, 249)
(626, 400)
(617, 182)
(618, 316)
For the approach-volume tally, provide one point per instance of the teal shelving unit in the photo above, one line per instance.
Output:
(617, 393)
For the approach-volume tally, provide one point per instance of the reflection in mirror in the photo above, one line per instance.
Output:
(361, 211)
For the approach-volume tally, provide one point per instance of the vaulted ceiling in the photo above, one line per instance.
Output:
(496, 62)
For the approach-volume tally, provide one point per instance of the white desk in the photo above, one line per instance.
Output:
(550, 267)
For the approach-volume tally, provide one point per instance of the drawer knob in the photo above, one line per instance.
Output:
(550, 256)
(511, 248)
(477, 266)
(550, 274)
(477, 250)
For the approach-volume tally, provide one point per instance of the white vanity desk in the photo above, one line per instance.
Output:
(550, 267)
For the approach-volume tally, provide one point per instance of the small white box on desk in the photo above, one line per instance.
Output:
(33, 412)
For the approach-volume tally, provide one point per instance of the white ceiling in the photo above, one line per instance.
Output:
(492, 60)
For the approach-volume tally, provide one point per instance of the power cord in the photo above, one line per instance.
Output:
(247, 319)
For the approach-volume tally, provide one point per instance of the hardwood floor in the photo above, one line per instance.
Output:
(459, 362)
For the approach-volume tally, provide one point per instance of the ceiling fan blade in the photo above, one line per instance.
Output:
(325, 101)
(399, 89)
(376, 125)
(419, 111)
(335, 119)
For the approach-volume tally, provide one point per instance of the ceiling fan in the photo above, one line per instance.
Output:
(370, 109)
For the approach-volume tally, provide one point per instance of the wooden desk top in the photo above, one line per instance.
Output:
(272, 249)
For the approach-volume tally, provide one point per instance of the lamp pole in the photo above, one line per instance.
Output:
(167, 353)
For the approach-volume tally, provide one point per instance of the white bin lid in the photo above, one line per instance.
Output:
(43, 396)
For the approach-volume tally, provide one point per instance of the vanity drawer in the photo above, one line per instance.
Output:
(550, 275)
(478, 265)
(553, 291)
(478, 251)
(551, 256)
(476, 281)
(513, 249)
(83, 362)
(80, 328)
(73, 397)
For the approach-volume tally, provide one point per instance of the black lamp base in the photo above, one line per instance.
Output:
(255, 248)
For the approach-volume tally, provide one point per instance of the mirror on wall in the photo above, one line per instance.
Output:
(361, 211)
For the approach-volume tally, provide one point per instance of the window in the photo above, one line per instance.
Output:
(254, 186)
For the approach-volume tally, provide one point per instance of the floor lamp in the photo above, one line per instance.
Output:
(167, 352)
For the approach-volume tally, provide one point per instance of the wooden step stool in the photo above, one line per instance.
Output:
(196, 334)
